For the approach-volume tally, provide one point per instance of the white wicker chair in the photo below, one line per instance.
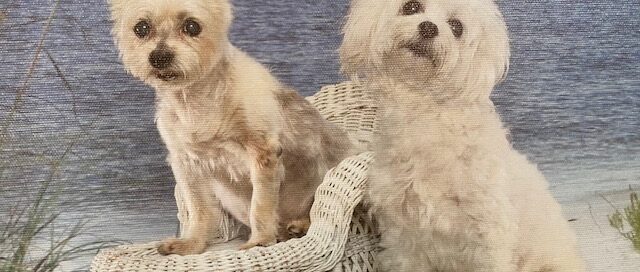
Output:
(341, 237)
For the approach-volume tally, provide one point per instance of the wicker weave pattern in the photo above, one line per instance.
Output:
(348, 105)
(339, 238)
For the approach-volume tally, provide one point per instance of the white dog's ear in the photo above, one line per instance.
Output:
(363, 44)
(491, 59)
(225, 11)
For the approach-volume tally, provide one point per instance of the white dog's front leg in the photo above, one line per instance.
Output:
(266, 176)
(203, 214)
(497, 239)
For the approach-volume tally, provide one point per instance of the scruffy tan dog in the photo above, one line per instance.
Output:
(448, 189)
(238, 139)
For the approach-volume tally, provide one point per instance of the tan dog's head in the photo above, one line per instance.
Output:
(427, 41)
(170, 42)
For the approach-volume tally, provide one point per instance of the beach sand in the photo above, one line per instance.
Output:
(603, 248)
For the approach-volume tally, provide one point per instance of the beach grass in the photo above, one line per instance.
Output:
(32, 237)
(627, 220)
(32, 240)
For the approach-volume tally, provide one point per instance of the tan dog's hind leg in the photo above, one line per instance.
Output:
(298, 228)
(204, 213)
(267, 172)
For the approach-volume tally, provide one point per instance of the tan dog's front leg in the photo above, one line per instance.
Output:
(204, 213)
(266, 175)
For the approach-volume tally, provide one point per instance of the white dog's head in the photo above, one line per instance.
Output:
(461, 44)
(170, 42)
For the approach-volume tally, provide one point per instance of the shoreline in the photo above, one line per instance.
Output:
(601, 246)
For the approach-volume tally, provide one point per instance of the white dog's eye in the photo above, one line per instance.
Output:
(456, 27)
(191, 28)
(412, 7)
(142, 29)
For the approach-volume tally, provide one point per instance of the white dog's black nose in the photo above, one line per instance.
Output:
(428, 30)
(161, 58)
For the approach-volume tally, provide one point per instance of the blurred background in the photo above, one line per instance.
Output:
(72, 118)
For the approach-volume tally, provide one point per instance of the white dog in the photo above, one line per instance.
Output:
(449, 191)
(237, 138)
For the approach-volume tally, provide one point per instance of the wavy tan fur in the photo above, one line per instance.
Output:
(238, 139)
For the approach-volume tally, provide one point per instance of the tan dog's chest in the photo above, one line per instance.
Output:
(206, 145)
(217, 149)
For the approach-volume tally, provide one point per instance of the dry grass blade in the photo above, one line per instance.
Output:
(25, 84)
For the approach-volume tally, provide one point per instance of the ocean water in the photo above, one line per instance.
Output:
(571, 101)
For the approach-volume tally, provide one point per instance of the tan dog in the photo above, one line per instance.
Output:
(237, 138)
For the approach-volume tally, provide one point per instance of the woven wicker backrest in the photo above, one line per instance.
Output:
(341, 237)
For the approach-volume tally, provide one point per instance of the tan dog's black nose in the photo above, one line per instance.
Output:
(161, 58)
(428, 30)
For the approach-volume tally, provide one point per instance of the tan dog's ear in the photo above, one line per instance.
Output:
(224, 11)
(116, 7)
(362, 43)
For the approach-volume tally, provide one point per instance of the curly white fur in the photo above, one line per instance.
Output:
(449, 191)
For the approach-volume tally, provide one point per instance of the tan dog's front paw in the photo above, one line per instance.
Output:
(181, 247)
(264, 242)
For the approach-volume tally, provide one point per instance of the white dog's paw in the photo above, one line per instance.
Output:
(181, 247)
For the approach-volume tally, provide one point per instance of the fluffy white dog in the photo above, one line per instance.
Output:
(449, 191)
(238, 139)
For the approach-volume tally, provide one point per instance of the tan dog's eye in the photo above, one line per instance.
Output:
(192, 28)
(142, 29)
(456, 27)
(412, 7)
